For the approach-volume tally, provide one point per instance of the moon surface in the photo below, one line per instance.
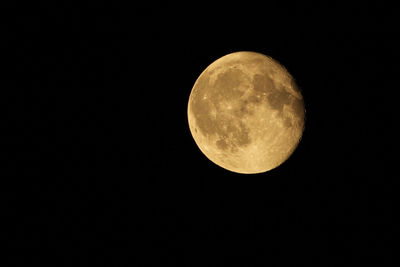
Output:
(246, 113)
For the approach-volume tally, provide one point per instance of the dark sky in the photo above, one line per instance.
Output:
(96, 151)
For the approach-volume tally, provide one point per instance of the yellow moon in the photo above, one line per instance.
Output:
(246, 113)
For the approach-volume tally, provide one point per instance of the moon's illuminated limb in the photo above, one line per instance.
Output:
(246, 113)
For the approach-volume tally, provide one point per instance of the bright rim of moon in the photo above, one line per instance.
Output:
(246, 113)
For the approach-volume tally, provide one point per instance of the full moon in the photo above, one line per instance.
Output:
(246, 113)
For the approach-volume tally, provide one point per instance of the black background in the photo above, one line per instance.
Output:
(96, 152)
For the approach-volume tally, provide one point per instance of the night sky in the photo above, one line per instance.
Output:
(96, 151)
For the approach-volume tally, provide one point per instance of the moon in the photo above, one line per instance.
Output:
(246, 113)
